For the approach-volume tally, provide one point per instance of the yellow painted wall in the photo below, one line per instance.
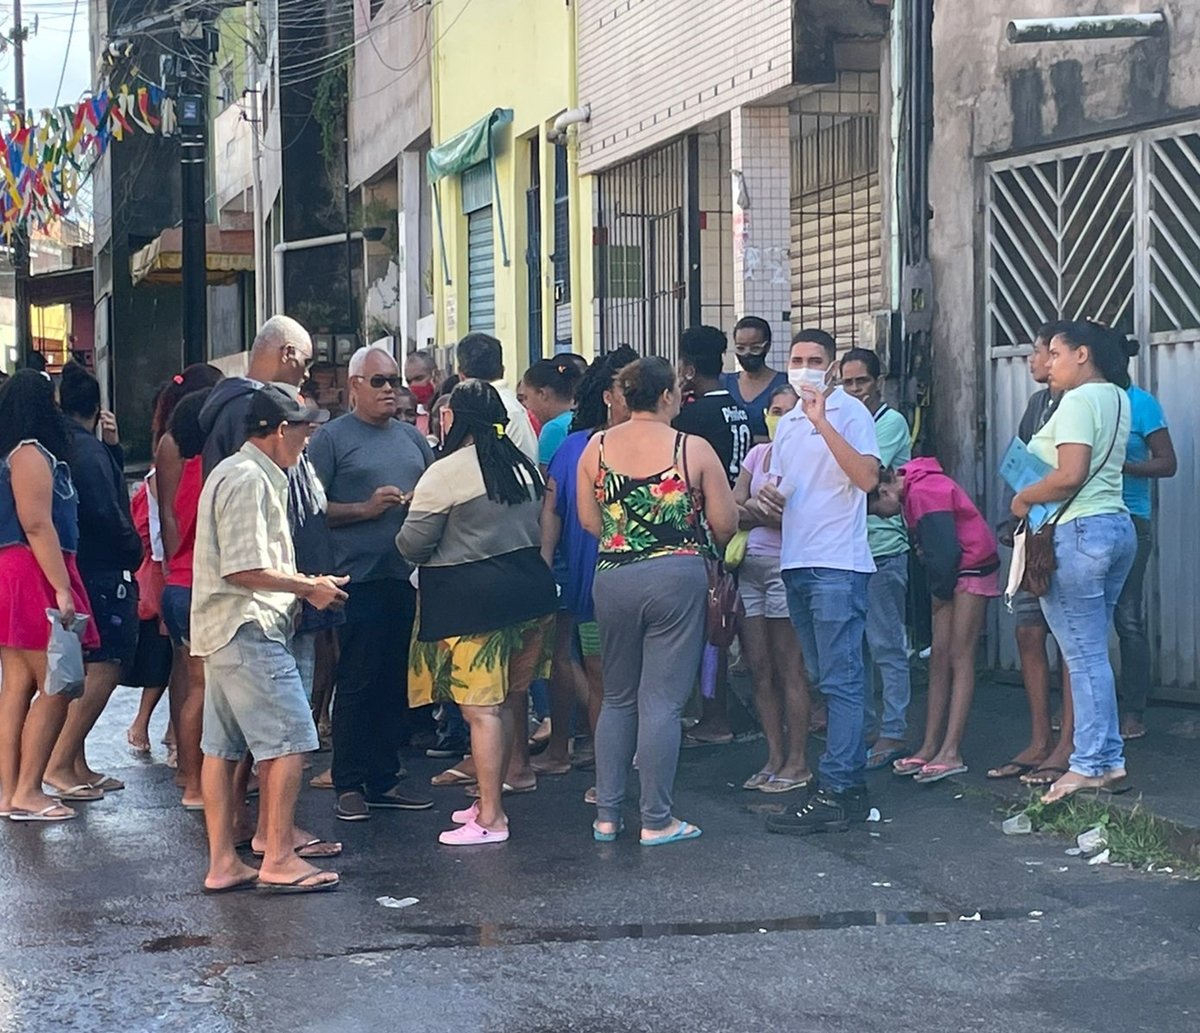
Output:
(516, 54)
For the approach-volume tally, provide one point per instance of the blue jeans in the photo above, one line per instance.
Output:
(829, 612)
(887, 600)
(1093, 555)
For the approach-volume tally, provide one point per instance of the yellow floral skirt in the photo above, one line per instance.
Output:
(480, 670)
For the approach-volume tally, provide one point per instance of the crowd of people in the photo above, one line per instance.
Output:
(413, 570)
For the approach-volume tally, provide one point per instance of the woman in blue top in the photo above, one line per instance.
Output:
(548, 391)
(1151, 455)
(753, 387)
(571, 552)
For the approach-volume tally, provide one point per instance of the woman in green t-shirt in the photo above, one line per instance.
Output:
(1094, 541)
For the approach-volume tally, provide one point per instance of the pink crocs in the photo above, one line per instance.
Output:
(466, 814)
(472, 834)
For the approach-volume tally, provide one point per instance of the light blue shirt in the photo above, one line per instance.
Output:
(554, 433)
(1147, 418)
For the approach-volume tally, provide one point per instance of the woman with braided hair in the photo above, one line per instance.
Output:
(487, 600)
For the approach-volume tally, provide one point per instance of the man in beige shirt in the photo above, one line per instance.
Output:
(244, 600)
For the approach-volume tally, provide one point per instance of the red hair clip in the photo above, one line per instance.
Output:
(178, 378)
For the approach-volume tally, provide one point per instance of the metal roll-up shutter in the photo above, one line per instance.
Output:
(481, 271)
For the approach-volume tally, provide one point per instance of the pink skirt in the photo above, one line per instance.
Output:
(987, 585)
(25, 595)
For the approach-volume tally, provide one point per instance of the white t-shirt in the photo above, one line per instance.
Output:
(825, 520)
(520, 430)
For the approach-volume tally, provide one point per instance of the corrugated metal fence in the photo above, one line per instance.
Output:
(1108, 230)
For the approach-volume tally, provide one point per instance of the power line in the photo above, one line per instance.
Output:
(67, 55)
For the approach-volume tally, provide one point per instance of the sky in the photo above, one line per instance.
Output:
(54, 52)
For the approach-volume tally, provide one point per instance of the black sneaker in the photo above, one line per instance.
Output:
(823, 812)
(352, 807)
(396, 799)
(447, 749)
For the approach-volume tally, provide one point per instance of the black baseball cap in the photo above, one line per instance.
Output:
(271, 405)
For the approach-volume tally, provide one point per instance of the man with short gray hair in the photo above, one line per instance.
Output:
(369, 463)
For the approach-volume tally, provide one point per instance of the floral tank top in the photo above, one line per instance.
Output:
(643, 518)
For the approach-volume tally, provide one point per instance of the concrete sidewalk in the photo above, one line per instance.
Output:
(1162, 766)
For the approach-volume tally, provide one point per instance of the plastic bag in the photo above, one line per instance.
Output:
(64, 656)
(735, 551)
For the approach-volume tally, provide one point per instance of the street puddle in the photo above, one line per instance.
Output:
(496, 935)
(175, 943)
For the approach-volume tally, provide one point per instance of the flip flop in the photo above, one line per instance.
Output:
(908, 766)
(590, 797)
(194, 808)
(931, 773)
(1043, 777)
(300, 850)
(758, 780)
(452, 777)
(82, 793)
(44, 814)
(509, 790)
(784, 785)
(248, 883)
(1088, 785)
(301, 885)
(879, 761)
(323, 780)
(139, 746)
(1011, 769)
(691, 742)
(108, 784)
(606, 837)
(686, 830)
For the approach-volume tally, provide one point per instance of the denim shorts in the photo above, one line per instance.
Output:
(254, 700)
(177, 614)
(114, 600)
(1027, 609)
(761, 587)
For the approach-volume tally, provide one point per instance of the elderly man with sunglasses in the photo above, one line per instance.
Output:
(369, 463)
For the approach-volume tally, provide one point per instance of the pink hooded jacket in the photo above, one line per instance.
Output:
(951, 536)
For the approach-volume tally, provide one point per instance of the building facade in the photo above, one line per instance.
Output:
(742, 157)
(511, 212)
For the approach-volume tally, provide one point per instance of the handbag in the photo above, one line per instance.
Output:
(1037, 547)
(724, 609)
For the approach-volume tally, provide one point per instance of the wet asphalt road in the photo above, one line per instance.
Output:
(105, 928)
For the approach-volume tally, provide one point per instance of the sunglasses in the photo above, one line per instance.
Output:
(380, 380)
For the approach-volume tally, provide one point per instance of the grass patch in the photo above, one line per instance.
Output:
(1135, 836)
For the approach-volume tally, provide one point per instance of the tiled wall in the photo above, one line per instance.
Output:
(760, 140)
(652, 69)
(716, 229)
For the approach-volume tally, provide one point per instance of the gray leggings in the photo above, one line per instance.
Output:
(651, 617)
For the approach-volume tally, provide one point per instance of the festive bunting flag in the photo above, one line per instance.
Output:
(43, 158)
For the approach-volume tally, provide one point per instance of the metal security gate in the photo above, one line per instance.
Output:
(481, 272)
(1110, 231)
(641, 291)
(837, 207)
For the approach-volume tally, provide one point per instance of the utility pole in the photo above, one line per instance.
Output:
(20, 238)
(351, 306)
(193, 130)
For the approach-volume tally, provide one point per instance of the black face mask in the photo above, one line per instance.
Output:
(752, 363)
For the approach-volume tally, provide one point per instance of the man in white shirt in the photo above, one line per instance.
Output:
(826, 459)
(481, 357)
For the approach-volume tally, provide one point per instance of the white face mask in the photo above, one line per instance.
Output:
(814, 379)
